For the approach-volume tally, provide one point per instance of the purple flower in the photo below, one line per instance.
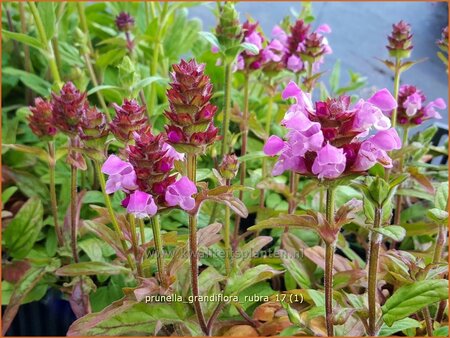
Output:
(374, 150)
(412, 107)
(287, 161)
(141, 204)
(121, 175)
(308, 140)
(329, 163)
(412, 104)
(180, 193)
(370, 112)
(273, 145)
(430, 112)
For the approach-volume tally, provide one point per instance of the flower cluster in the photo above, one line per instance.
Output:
(300, 46)
(146, 176)
(70, 113)
(124, 22)
(40, 120)
(228, 30)
(68, 108)
(412, 109)
(130, 117)
(248, 60)
(331, 138)
(191, 114)
(400, 40)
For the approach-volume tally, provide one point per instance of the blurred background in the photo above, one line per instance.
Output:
(359, 35)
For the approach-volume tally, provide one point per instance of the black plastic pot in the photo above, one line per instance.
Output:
(51, 316)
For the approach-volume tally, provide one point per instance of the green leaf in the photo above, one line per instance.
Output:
(100, 88)
(91, 268)
(438, 215)
(411, 298)
(146, 82)
(252, 156)
(441, 198)
(22, 232)
(38, 152)
(335, 75)
(395, 232)
(294, 221)
(23, 38)
(127, 317)
(47, 13)
(399, 326)
(238, 281)
(32, 81)
(250, 47)
(211, 38)
(296, 269)
(7, 193)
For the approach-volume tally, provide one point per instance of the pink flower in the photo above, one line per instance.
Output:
(412, 104)
(373, 150)
(412, 109)
(430, 112)
(383, 100)
(329, 163)
(180, 193)
(121, 175)
(273, 145)
(287, 161)
(308, 140)
(141, 204)
(302, 99)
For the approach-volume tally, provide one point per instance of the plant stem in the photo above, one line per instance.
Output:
(142, 230)
(375, 242)
(226, 111)
(440, 243)
(94, 80)
(214, 316)
(26, 50)
(73, 212)
(193, 249)
(399, 198)
(53, 200)
(329, 258)
(226, 236)
(84, 25)
(154, 64)
(46, 43)
(428, 321)
(243, 170)
(157, 239)
(397, 73)
(112, 215)
(134, 243)
(268, 123)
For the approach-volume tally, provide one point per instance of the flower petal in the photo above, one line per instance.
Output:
(273, 145)
(383, 100)
(114, 165)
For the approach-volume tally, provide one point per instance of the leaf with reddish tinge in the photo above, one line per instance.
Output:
(317, 255)
(91, 268)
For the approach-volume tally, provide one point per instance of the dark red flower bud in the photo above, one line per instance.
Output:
(400, 40)
(130, 117)
(191, 114)
(40, 120)
(299, 32)
(68, 108)
(93, 132)
(124, 22)
(151, 162)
